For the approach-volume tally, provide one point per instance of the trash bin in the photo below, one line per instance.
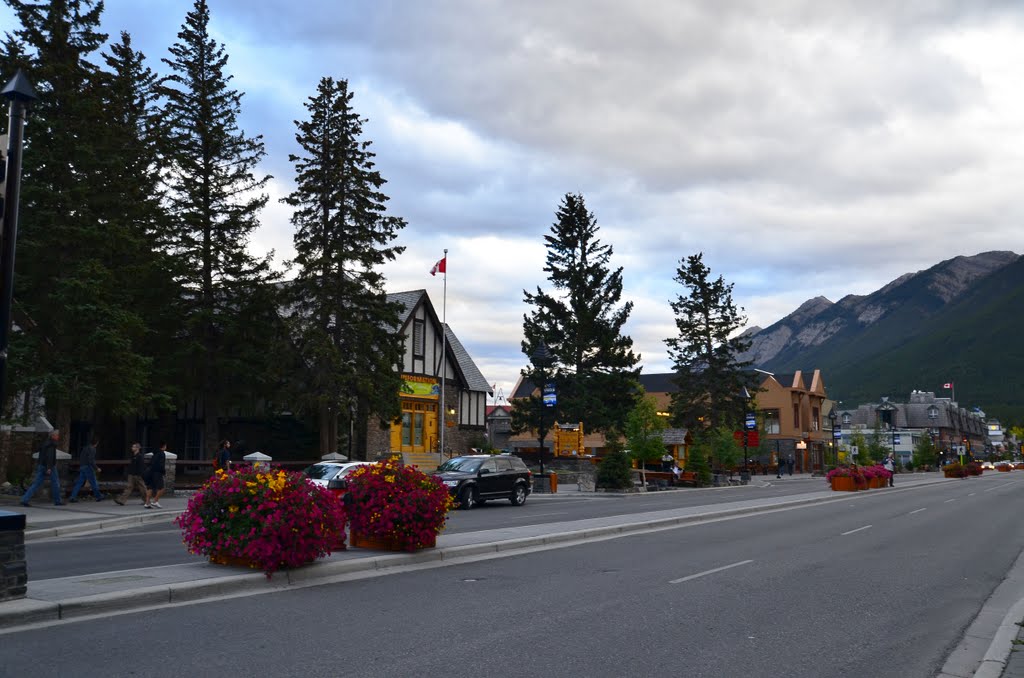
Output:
(553, 478)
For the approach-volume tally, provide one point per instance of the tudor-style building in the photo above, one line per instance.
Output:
(431, 360)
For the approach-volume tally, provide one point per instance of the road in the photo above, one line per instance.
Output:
(881, 585)
(155, 545)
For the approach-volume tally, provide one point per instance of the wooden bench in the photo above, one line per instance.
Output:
(670, 478)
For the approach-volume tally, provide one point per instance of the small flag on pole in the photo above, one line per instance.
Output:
(439, 267)
(948, 384)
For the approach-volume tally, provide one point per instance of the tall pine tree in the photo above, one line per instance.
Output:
(215, 194)
(78, 340)
(343, 324)
(711, 381)
(594, 368)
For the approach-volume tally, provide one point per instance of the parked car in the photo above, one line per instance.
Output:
(473, 479)
(331, 474)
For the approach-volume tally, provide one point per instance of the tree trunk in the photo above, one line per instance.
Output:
(211, 427)
(6, 441)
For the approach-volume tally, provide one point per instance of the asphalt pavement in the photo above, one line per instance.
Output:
(988, 649)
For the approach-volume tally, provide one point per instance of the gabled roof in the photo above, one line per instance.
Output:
(474, 379)
(471, 374)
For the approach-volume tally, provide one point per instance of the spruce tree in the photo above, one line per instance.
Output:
(215, 194)
(580, 320)
(343, 324)
(78, 341)
(710, 380)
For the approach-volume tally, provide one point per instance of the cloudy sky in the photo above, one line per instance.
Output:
(806, 148)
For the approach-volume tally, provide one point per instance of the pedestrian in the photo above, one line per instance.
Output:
(890, 466)
(223, 457)
(87, 470)
(666, 461)
(136, 469)
(779, 467)
(46, 466)
(155, 477)
(789, 464)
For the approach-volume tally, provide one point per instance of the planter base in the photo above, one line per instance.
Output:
(383, 544)
(235, 561)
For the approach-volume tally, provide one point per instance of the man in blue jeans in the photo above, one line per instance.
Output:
(87, 470)
(46, 466)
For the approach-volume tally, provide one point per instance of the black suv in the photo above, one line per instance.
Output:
(474, 479)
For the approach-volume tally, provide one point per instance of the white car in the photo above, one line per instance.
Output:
(987, 465)
(322, 473)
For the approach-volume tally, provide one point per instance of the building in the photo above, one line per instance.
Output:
(953, 429)
(444, 393)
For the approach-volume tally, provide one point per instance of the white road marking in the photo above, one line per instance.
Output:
(948, 500)
(917, 511)
(972, 494)
(866, 527)
(707, 572)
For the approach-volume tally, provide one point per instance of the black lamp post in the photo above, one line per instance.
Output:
(835, 449)
(21, 94)
(541, 358)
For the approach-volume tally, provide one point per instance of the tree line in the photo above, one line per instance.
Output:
(135, 290)
(575, 344)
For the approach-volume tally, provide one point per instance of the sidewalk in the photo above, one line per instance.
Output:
(129, 590)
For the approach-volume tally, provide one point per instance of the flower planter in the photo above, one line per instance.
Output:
(364, 541)
(1004, 468)
(843, 484)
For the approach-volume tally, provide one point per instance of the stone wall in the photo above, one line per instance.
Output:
(13, 570)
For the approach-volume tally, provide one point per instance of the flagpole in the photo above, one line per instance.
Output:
(444, 339)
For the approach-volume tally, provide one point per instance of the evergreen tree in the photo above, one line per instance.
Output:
(594, 368)
(131, 209)
(712, 383)
(78, 340)
(229, 324)
(344, 326)
(697, 460)
(614, 471)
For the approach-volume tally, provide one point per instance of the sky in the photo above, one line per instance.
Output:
(807, 148)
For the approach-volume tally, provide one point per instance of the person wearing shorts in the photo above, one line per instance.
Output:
(155, 477)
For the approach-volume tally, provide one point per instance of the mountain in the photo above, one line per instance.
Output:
(956, 321)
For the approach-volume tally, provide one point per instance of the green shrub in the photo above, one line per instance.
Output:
(614, 471)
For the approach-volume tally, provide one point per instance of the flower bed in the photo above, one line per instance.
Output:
(954, 470)
(849, 478)
(270, 519)
(397, 504)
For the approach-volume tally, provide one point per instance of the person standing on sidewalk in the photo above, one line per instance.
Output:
(46, 466)
(223, 456)
(136, 468)
(890, 466)
(155, 477)
(87, 470)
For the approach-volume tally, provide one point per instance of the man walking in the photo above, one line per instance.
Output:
(136, 467)
(87, 470)
(46, 466)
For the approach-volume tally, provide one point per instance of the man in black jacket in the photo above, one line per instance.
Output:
(46, 466)
(136, 469)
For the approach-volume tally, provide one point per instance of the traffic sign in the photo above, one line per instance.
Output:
(837, 434)
(751, 421)
(895, 438)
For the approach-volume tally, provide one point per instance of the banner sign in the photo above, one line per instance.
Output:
(420, 387)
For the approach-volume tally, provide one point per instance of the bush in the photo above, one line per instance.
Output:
(273, 519)
(698, 463)
(614, 471)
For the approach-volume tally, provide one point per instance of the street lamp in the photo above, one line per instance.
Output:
(541, 359)
(21, 94)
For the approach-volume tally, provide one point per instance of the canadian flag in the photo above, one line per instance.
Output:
(948, 385)
(439, 267)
